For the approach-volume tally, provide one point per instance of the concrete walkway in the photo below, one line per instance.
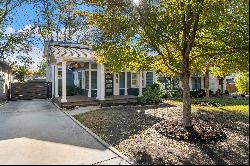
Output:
(35, 132)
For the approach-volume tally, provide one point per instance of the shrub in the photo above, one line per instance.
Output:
(151, 95)
(242, 83)
(173, 93)
(198, 94)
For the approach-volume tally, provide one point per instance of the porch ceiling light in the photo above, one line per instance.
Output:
(75, 66)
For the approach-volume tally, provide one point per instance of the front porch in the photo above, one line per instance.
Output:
(73, 101)
(79, 80)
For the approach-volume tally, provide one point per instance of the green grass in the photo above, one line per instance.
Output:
(229, 104)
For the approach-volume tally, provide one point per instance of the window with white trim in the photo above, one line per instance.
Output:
(134, 80)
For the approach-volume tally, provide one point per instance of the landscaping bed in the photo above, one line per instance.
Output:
(149, 135)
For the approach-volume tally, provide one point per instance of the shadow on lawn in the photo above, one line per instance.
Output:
(233, 151)
(228, 120)
(225, 153)
(129, 123)
(119, 123)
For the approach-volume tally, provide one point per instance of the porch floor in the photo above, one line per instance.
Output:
(73, 101)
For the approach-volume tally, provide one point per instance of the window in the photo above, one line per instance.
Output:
(59, 73)
(134, 80)
(230, 81)
(196, 83)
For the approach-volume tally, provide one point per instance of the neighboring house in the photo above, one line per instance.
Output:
(71, 65)
(6, 78)
(197, 82)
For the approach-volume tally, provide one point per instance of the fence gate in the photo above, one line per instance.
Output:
(30, 90)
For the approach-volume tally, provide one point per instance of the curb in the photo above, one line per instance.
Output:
(132, 162)
(57, 106)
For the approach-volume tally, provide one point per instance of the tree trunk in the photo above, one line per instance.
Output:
(207, 83)
(187, 118)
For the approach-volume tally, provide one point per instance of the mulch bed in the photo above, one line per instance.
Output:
(155, 135)
(200, 132)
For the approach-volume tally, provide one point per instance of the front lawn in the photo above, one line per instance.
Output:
(133, 130)
(224, 104)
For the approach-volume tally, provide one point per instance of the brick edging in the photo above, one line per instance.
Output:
(132, 162)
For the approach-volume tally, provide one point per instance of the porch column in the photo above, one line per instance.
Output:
(64, 93)
(126, 83)
(89, 92)
(190, 83)
(100, 82)
(140, 84)
(53, 79)
(76, 81)
(83, 79)
(56, 81)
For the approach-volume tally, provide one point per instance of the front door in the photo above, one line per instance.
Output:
(108, 84)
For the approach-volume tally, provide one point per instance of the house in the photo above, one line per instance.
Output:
(197, 82)
(6, 78)
(74, 66)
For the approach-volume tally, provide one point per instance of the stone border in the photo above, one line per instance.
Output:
(132, 162)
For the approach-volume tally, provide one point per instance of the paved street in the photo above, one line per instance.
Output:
(35, 132)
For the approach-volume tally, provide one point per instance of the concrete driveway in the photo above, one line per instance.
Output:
(36, 132)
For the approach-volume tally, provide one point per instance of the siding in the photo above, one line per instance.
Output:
(122, 92)
(133, 91)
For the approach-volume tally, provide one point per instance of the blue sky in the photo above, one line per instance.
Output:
(21, 18)
(24, 15)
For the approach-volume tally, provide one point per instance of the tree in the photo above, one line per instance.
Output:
(19, 41)
(176, 36)
(41, 71)
(22, 68)
(242, 83)
(60, 23)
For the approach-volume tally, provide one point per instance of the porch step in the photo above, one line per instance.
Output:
(80, 104)
(107, 103)
(84, 102)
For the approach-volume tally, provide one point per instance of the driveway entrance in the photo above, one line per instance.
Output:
(35, 132)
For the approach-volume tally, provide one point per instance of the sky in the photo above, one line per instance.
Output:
(23, 17)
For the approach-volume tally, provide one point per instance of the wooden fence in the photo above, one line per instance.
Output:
(30, 90)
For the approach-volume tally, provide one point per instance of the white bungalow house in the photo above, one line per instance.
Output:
(73, 65)
(6, 78)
